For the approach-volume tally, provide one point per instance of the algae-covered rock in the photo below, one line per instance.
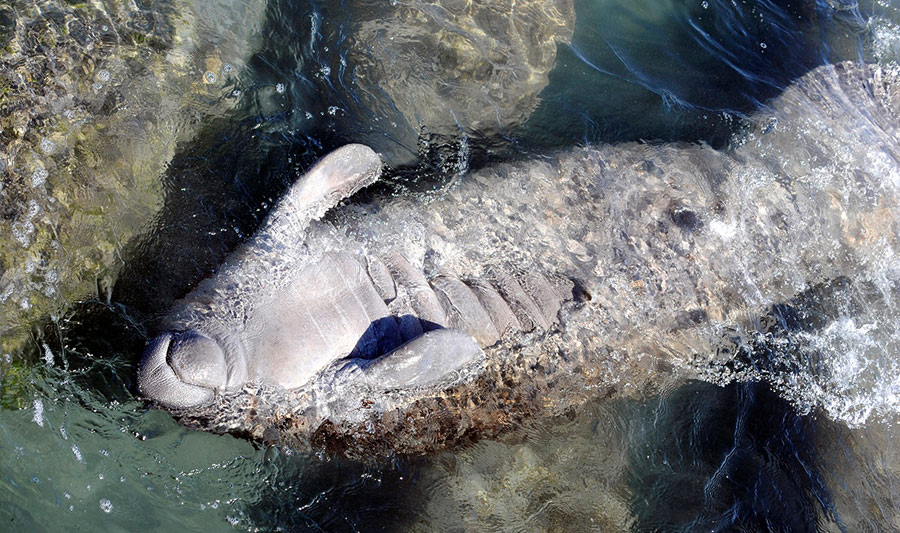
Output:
(564, 474)
(93, 100)
(458, 66)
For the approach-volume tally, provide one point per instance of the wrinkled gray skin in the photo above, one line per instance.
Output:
(407, 324)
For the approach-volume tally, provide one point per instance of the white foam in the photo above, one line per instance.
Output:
(77, 452)
(38, 417)
(723, 229)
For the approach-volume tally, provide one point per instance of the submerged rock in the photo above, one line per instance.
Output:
(454, 68)
(619, 264)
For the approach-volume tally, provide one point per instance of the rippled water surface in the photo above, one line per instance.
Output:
(141, 142)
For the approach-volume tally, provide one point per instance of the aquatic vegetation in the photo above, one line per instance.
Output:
(94, 101)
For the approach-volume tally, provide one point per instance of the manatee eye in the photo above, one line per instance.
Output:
(197, 359)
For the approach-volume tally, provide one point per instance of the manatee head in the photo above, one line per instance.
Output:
(185, 369)
(186, 366)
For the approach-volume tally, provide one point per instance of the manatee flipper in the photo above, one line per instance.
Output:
(335, 177)
(427, 359)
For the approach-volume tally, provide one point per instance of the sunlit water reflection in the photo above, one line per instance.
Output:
(264, 91)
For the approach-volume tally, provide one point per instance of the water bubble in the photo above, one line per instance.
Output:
(39, 176)
(209, 77)
(279, 88)
(97, 86)
(308, 115)
(38, 417)
(236, 93)
(763, 46)
(22, 232)
(105, 505)
(77, 453)
(886, 39)
(227, 68)
(47, 146)
(271, 454)
(333, 110)
(704, 4)
(104, 75)
(325, 70)
(34, 209)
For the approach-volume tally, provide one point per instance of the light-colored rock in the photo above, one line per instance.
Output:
(456, 67)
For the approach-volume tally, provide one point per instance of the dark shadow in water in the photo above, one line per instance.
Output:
(740, 457)
(734, 458)
(683, 70)
(307, 494)
(95, 343)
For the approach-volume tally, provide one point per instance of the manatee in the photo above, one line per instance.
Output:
(405, 324)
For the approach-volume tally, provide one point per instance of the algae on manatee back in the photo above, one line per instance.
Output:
(93, 101)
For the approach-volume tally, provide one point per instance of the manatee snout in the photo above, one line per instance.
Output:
(183, 369)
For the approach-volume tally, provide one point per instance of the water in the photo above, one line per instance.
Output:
(218, 106)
